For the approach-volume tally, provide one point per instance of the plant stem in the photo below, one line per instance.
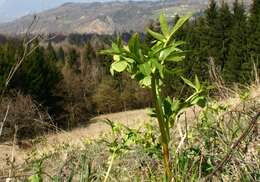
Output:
(163, 128)
(110, 166)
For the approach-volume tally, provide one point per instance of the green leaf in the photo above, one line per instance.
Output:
(176, 57)
(108, 52)
(115, 47)
(164, 25)
(173, 71)
(165, 53)
(145, 69)
(156, 35)
(171, 53)
(146, 81)
(116, 58)
(176, 106)
(177, 26)
(167, 104)
(119, 66)
(112, 71)
(129, 60)
(197, 83)
(138, 76)
(160, 68)
(134, 45)
(178, 43)
(35, 178)
(199, 100)
(188, 82)
(180, 23)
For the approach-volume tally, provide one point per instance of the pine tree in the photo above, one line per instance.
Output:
(212, 13)
(211, 34)
(61, 54)
(237, 54)
(197, 42)
(7, 60)
(72, 57)
(37, 76)
(254, 30)
(88, 52)
(50, 53)
(223, 28)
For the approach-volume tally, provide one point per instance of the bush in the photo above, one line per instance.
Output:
(22, 112)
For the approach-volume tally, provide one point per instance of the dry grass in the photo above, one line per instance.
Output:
(133, 119)
(95, 128)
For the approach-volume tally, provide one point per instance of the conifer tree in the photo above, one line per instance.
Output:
(7, 60)
(61, 54)
(212, 13)
(88, 52)
(71, 57)
(223, 28)
(237, 54)
(50, 53)
(211, 34)
(254, 30)
(197, 57)
(37, 76)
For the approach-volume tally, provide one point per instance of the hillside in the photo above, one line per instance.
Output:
(55, 150)
(101, 18)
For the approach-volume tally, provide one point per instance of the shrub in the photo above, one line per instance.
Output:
(22, 112)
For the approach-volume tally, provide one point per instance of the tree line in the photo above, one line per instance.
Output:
(71, 82)
(230, 36)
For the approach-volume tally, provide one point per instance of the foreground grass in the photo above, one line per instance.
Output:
(221, 143)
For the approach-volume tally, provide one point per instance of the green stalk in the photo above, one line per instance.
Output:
(162, 126)
(110, 166)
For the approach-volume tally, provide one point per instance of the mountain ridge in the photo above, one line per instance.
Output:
(101, 17)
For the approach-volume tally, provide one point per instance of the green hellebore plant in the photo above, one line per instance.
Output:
(148, 65)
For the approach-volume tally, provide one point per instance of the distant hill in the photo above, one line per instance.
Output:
(101, 18)
(13, 9)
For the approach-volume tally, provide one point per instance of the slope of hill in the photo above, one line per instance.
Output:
(13, 9)
(101, 18)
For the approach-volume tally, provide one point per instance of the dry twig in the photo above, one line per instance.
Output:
(235, 145)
